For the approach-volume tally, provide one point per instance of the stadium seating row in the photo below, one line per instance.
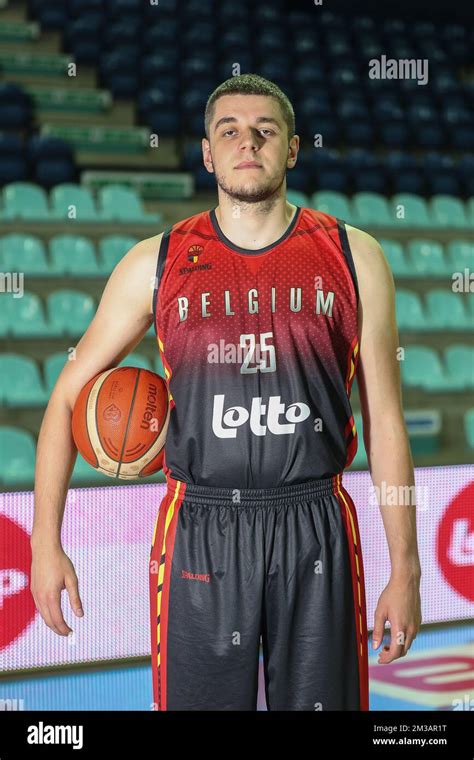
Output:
(17, 463)
(68, 201)
(69, 312)
(22, 384)
(76, 255)
(18, 447)
(71, 202)
(70, 255)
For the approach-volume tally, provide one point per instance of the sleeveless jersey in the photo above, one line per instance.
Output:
(260, 350)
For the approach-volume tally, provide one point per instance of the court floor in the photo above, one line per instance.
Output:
(438, 674)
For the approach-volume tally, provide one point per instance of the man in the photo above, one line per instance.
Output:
(264, 312)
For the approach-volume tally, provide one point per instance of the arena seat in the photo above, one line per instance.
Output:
(21, 383)
(17, 463)
(70, 311)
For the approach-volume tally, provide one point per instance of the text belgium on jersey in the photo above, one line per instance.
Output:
(321, 303)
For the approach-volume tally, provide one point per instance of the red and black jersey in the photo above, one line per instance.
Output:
(260, 349)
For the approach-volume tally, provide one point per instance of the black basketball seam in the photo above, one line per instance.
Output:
(132, 403)
(102, 440)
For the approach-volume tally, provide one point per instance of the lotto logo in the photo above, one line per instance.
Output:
(225, 422)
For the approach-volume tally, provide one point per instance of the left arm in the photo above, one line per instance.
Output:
(387, 445)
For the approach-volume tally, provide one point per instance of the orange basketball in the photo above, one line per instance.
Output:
(120, 420)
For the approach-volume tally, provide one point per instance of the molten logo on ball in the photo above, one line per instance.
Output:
(150, 409)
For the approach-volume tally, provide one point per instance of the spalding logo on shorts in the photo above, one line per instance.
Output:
(235, 416)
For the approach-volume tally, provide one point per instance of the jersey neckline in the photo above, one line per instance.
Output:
(252, 251)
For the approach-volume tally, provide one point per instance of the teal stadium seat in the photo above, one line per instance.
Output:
(54, 363)
(422, 368)
(332, 202)
(83, 472)
(21, 384)
(460, 255)
(396, 257)
(159, 369)
(360, 461)
(4, 316)
(67, 196)
(469, 427)
(410, 210)
(26, 316)
(73, 255)
(24, 253)
(427, 258)
(445, 310)
(122, 204)
(112, 248)
(25, 200)
(372, 209)
(136, 360)
(18, 454)
(459, 361)
(409, 309)
(470, 211)
(448, 212)
(297, 197)
(70, 311)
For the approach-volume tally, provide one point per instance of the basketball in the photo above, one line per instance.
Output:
(120, 420)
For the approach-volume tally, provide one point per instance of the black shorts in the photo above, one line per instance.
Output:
(230, 565)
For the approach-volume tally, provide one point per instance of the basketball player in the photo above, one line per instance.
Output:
(265, 312)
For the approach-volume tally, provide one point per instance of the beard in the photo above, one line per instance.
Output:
(251, 191)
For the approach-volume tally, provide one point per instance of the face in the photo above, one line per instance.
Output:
(248, 148)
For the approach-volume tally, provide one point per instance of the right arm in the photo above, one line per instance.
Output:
(123, 317)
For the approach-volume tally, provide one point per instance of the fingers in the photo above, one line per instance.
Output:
(49, 607)
(410, 637)
(44, 612)
(53, 620)
(379, 625)
(56, 616)
(50, 575)
(74, 598)
(400, 643)
(390, 651)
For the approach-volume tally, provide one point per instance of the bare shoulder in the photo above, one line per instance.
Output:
(145, 251)
(132, 280)
(138, 265)
(368, 255)
(362, 244)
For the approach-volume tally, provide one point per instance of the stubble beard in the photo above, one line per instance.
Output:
(264, 194)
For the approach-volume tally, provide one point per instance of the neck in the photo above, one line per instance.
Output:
(254, 225)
